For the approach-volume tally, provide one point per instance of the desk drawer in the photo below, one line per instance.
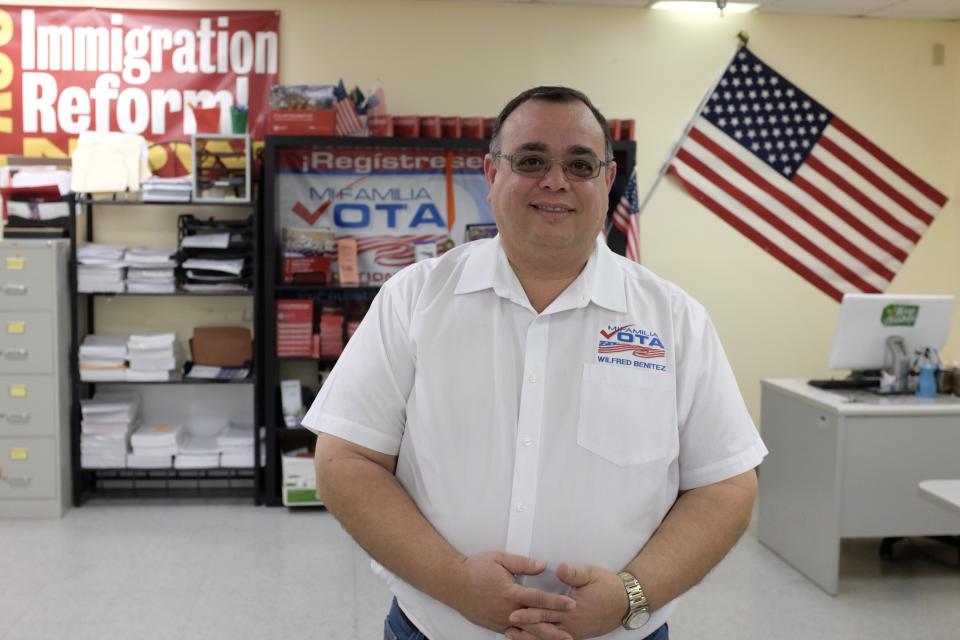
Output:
(28, 468)
(27, 275)
(26, 342)
(28, 406)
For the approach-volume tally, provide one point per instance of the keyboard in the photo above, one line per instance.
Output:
(845, 384)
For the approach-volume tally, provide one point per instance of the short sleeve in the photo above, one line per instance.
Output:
(718, 439)
(363, 400)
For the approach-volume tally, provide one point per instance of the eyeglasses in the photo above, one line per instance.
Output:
(532, 164)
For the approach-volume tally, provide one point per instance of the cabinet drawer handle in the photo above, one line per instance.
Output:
(22, 417)
(17, 482)
(16, 354)
(15, 289)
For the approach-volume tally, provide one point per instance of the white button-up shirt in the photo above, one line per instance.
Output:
(563, 436)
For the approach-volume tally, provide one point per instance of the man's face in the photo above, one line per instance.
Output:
(553, 215)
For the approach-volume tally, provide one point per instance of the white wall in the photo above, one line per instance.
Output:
(468, 58)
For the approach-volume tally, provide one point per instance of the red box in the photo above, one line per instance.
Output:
(313, 122)
(294, 327)
(429, 126)
(307, 269)
(380, 125)
(451, 127)
(628, 129)
(406, 126)
(614, 126)
(488, 127)
(472, 128)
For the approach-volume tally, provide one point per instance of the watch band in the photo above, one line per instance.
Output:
(636, 600)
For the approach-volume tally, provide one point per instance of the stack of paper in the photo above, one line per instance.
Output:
(109, 162)
(236, 446)
(105, 428)
(158, 189)
(152, 357)
(103, 358)
(150, 270)
(154, 446)
(214, 274)
(101, 268)
(198, 453)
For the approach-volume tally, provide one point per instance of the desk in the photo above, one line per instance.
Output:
(943, 492)
(847, 465)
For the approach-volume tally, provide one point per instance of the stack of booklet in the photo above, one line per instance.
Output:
(103, 358)
(152, 357)
(198, 453)
(157, 189)
(154, 446)
(105, 428)
(236, 445)
(101, 268)
(151, 270)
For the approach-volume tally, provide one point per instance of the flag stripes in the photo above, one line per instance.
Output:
(802, 183)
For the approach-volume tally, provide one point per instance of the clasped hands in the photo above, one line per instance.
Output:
(489, 595)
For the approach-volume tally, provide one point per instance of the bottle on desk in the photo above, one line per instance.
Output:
(927, 381)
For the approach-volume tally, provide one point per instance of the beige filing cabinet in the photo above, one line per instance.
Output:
(34, 379)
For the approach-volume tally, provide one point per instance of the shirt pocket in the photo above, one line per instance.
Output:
(627, 417)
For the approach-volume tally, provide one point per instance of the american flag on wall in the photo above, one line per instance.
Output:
(348, 123)
(626, 218)
(802, 183)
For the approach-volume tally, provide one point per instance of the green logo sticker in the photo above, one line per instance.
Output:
(900, 315)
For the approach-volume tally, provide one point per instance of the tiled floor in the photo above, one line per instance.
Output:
(204, 571)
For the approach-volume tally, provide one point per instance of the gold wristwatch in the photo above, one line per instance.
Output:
(638, 610)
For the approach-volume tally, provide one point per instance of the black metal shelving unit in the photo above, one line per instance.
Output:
(211, 482)
(279, 437)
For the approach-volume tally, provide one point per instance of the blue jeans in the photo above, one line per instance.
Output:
(398, 627)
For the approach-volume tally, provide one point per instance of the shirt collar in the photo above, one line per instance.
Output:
(601, 280)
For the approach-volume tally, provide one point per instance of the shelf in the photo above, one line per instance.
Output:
(177, 380)
(321, 360)
(109, 294)
(297, 288)
(165, 203)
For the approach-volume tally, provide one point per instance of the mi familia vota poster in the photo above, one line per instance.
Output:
(389, 199)
(67, 70)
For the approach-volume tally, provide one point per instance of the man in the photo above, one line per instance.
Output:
(530, 435)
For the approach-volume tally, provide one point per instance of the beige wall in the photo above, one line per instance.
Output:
(468, 58)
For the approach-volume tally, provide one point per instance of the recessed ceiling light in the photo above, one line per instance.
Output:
(694, 6)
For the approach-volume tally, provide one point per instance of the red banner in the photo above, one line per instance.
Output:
(67, 70)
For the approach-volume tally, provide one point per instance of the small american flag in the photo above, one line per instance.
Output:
(348, 123)
(801, 183)
(626, 218)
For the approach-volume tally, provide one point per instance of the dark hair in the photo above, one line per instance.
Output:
(551, 94)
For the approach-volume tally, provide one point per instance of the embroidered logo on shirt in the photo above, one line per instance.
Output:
(627, 346)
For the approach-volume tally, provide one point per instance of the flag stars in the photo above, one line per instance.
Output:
(735, 82)
(804, 143)
(722, 122)
(793, 105)
(764, 94)
(748, 81)
(738, 134)
(822, 117)
(751, 133)
(731, 109)
(745, 68)
(774, 80)
(715, 96)
(755, 147)
(761, 81)
(744, 108)
(790, 93)
(787, 170)
(752, 94)
(757, 68)
(796, 157)
(806, 104)
(739, 95)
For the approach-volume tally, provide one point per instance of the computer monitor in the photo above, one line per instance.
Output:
(867, 320)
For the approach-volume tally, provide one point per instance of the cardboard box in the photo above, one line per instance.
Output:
(450, 127)
(380, 125)
(294, 328)
(309, 122)
(430, 126)
(472, 128)
(221, 346)
(299, 481)
(406, 126)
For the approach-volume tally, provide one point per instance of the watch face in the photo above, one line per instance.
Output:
(637, 619)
